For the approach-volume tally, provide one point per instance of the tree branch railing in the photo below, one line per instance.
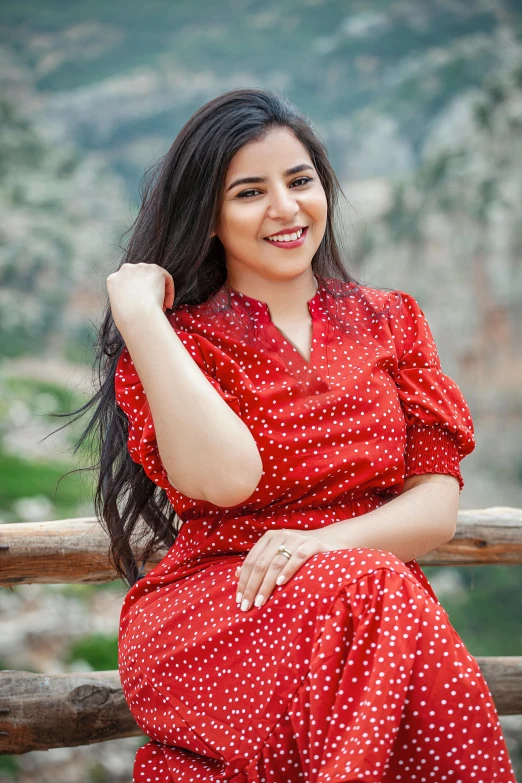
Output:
(38, 711)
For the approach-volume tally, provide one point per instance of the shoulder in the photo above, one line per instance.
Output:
(392, 301)
(217, 322)
(199, 319)
(207, 332)
(370, 297)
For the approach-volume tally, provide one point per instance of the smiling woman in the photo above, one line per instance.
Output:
(284, 213)
(289, 416)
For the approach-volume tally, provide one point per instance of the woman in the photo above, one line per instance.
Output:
(300, 427)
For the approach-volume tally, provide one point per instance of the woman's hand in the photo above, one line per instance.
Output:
(264, 566)
(135, 286)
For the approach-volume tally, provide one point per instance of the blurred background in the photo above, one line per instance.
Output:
(420, 106)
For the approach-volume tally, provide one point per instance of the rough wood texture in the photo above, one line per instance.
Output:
(484, 536)
(60, 552)
(38, 712)
(76, 550)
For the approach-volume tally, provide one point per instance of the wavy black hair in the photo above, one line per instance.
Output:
(181, 196)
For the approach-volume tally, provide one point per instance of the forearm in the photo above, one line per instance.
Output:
(207, 450)
(409, 525)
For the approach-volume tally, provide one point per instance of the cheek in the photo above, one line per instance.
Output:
(240, 220)
(316, 203)
(317, 208)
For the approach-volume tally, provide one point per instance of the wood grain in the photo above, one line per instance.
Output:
(38, 712)
(76, 550)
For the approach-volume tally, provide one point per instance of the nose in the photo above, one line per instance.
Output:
(283, 205)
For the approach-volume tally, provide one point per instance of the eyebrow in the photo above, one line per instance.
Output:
(248, 180)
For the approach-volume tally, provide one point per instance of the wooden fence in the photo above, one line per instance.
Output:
(38, 711)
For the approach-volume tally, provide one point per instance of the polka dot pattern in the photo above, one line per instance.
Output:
(351, 671)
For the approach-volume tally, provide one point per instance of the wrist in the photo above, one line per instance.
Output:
(329, 536)
(137, 317)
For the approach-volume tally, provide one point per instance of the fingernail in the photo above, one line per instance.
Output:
(244, 605)
(259, 599)
(239, 596)
(280, 579)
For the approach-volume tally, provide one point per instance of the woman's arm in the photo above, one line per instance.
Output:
(207, 450)
(420, 519)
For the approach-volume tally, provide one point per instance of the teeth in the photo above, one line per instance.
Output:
(286, 237)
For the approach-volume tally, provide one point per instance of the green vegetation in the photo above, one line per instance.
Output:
(38, 476)
(9, 767)
(24, 478)
(99, 650)
(485, 613)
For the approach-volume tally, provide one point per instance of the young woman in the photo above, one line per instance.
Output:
(298, 425)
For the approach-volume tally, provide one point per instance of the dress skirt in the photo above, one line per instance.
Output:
(351, 671)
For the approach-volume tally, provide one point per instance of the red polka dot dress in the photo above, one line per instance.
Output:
(351, 671)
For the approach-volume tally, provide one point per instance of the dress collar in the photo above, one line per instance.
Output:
(259, 310)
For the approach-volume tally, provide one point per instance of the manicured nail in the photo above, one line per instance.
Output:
(239, 596)
(244, 605)
(260, 599)
(280, 579)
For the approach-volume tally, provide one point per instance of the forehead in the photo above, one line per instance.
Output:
(277, 151)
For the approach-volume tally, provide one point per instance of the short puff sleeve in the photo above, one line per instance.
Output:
(131, 398)
(439, 427)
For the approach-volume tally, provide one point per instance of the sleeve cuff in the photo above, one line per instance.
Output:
(431, 449)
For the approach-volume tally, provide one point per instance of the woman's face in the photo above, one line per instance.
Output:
(252, 211)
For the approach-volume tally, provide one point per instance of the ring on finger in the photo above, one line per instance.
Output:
(282, 550)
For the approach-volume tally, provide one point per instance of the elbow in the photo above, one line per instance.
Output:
(222, 496)
(449, 524)
(451, 529)
(227, 491)
(230, 495)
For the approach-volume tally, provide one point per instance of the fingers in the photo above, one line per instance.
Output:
(170, 293)
(262, 581)
(266, 572)
(264, 543)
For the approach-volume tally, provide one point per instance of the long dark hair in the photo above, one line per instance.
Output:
(181, 199)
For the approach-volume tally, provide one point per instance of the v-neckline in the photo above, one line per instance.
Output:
(291, 348)
(261, 312)
(305, 372)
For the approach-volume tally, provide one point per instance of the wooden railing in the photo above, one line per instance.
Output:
(38, 711)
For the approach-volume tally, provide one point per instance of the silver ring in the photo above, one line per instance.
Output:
(282, 550)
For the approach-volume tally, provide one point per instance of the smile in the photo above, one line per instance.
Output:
(286, 237)
(288, 241)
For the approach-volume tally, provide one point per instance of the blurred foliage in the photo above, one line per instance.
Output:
(85, 592)
(23, 478)
(78, 348)
(30, 390)
(9, 767)
(49, 251)
(99, 650)
(485, 611)
(26, 403)
(405, 63)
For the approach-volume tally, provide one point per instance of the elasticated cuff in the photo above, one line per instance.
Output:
(431, 449)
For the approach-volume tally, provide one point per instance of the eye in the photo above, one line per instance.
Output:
(244, 193)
